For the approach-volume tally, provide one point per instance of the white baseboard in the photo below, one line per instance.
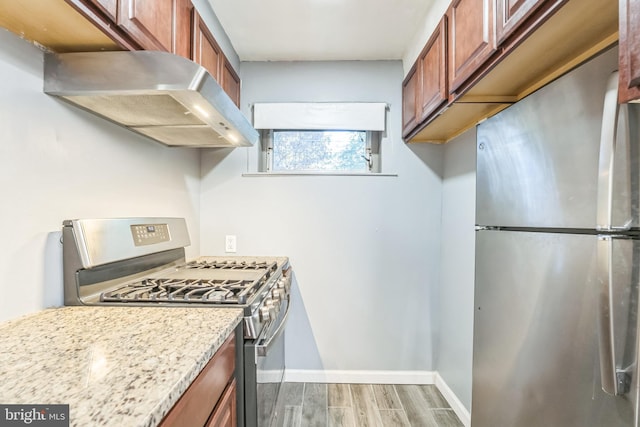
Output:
(382, 377)
(359, 377)
(453, 401)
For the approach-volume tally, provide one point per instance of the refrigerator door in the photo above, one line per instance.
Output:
(538, 160)
(536, 345)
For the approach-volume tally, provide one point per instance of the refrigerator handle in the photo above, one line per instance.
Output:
(606, 165)
(614, 381)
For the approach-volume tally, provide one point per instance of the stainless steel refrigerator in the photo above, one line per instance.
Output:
(558, 257)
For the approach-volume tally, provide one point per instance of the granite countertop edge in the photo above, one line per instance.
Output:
(111, 365)
(163, 407)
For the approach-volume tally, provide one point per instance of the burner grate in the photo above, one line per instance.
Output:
(185, 291)
(232, 265)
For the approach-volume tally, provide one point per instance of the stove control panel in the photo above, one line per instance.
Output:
(149, 234)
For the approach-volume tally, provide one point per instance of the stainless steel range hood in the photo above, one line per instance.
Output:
(160, 95)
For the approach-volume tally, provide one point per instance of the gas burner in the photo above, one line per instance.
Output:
(184, 291)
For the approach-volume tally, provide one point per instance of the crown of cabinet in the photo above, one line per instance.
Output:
(497, 52)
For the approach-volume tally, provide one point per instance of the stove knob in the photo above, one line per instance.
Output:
(265, 313)
(273, 307)
(277, 294)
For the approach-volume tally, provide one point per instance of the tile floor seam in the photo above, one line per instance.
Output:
(399, 400)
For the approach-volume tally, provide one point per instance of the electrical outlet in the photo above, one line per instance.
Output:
(230, 243)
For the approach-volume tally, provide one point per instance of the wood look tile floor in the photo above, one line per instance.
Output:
(363, 405)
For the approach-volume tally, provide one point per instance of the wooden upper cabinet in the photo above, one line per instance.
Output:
(410, 87)
(471, 38)
(148, 22)
(432, 70)
(108, 7)
(537, 41)
(424, 89)
(510, 14)
(629, 50)
(206, 51)
(231, 82)
(183, 14)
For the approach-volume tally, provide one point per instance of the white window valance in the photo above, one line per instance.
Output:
(369, 116)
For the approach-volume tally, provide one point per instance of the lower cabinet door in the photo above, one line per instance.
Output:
(225, 413)
(207, 392)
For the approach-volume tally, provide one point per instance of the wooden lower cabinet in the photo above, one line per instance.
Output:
(225, 414)
(211, 397)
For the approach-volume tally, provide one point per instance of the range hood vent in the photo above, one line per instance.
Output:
(160, 95)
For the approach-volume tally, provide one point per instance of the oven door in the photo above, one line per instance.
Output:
(264, 371)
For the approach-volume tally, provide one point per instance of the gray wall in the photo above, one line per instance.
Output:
(455, 339)
(58, 162)
(365, 250)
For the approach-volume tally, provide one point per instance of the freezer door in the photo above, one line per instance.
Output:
(536, 344)
(537, 161)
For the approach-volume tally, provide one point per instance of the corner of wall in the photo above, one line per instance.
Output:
(461, 411)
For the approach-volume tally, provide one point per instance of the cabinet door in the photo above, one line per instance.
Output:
(182, 28)
(148, 22)
(206, 51)
(231, 82)
(433, 72)
(409, 97)
(225, 414)
(510, 14)
(471, 38)
(629, 50)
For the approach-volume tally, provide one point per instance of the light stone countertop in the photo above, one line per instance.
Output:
(114, 366)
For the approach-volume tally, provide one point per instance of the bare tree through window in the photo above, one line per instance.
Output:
(319, 151)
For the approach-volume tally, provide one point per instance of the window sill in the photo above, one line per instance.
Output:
(299, 173)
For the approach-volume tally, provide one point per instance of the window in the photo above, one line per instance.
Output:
(320, 137)
(320, 151)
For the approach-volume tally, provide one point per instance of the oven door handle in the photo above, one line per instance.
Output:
(263, 349)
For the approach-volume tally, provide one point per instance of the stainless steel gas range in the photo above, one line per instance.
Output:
(141, 261)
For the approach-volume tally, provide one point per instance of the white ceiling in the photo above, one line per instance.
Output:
(290, 30)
